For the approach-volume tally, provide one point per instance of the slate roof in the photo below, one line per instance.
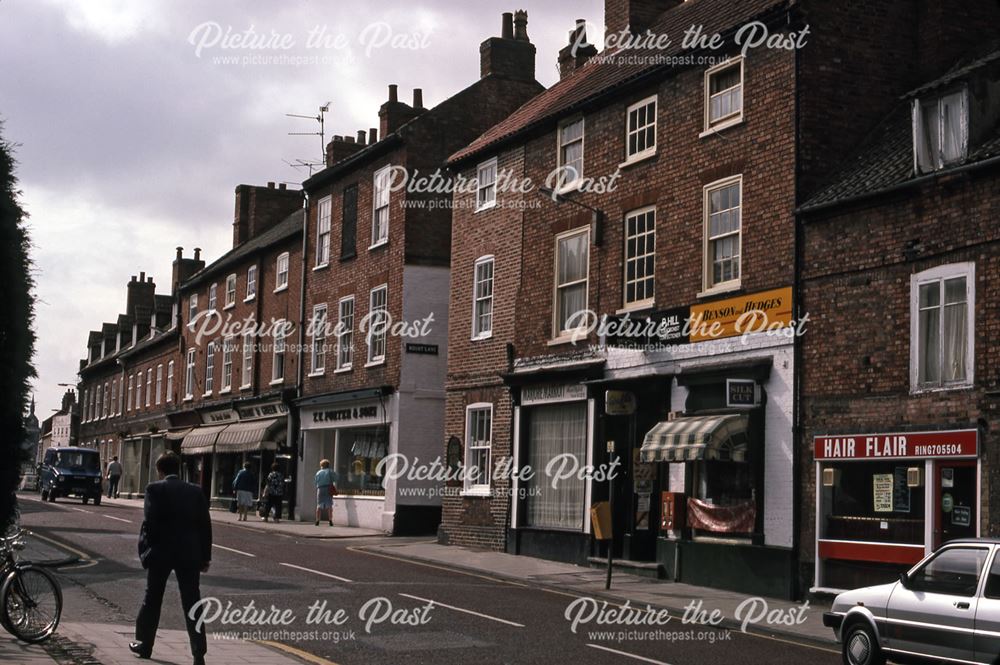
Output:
(600, 76)
(286, 228)
(885, 159)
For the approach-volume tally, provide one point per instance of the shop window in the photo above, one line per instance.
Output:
(356, 460)
(942, 308)
(954, 572)
(559, 429)
(871, 502)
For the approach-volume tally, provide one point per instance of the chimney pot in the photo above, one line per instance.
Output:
(418, 98)
(507, 26)
(282, 186)
(338, 137)
(180, 253)
(372, 135)
(348, 139)
(521, 26)
(361, 136)
(393, 92)
(270, 185)
(197, 253)
(133, 278)
(142, 277)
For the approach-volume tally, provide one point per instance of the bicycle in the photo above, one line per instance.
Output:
(30, 597)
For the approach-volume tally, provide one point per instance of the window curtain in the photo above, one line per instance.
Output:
(556, 430)
(955, 332)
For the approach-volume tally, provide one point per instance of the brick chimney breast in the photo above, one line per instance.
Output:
(577, 51)
(634, 15)
(259, 209)
(512, 55)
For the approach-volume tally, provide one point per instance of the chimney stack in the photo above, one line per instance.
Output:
(139, 295)
(635, 16)
(184, 269)
(373, 135)
(577, 52)
(394, 113)
(511, 55)
(418, 98)
(342, 147)
(259, 209)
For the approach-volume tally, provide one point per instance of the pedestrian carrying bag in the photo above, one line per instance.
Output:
(333, 490)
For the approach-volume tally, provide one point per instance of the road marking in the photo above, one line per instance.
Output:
(85, 561)
(362, 550)
(459, 609)
(627, 654)
(230, 549)
(315, 572)
(304, 655)
(79, 510)
(120, 519)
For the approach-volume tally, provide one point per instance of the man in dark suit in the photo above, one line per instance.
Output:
(176, 535)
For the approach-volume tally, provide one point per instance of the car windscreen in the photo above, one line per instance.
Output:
(78, 461)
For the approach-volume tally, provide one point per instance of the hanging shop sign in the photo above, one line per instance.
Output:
(742, 393)
(950, 444)
(619, 403)
(732, 317)
(570, 392)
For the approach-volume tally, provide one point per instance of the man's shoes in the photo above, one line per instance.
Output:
(331, 522)
(317, 522)
(140, 650)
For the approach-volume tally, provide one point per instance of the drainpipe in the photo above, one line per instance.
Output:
(292, 434)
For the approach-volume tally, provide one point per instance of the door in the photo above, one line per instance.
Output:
(987, 637)
(934, 614)
(956, 497)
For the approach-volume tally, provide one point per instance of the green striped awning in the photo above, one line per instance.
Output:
(722, 437)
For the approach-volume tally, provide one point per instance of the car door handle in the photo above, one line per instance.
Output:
(962, 605)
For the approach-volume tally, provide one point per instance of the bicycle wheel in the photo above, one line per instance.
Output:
(30, 603)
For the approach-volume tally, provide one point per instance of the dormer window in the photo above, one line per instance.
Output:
(940, 131)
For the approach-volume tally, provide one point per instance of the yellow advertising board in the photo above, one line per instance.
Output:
(756, 312)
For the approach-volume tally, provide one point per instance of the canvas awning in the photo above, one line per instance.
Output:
(722, 437)
(178, 435)
(244, 437)
(201, 440)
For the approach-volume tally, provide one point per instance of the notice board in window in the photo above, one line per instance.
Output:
(882, 492)
(901, 491)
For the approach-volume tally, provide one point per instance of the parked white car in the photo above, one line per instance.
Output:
(946, 608)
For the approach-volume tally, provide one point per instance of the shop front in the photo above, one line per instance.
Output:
(354, 432)
(138, 460)
(886, 500)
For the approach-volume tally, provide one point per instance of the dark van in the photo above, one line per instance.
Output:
(71, 472)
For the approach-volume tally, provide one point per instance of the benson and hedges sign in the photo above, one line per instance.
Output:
(953, 443)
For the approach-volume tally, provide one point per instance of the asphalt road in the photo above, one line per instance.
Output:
(385, 612)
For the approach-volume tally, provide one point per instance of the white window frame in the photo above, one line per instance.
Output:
(170, 381)
(278, 355)
(213, 297)
(710, 287)
(733, 118)
(192, 309)
(558, 334)
(574, 184)
(230, 291)
(159, 384)
(251, 283)
(107, 399)
(938, 160)
(246, 371)
(114, 396)
(643, 303)
(649, 151)
(317, 360)
(372, 341)
(131, 392)
(940, 274)
(324, 223)
(149, 386)
(209, 369)
(478, 334)
(480, 488)
(189, 375)
(226, 380)
(138, 390)
(378, 237)
(486, 191)
(345, 335)
(281, 273)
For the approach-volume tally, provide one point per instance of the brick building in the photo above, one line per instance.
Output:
(711, 155)
(379, 250)
(900, 390)
(236, 362)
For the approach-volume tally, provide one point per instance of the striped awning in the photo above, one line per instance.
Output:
(178, 435)
(722, 437)
(201, 440)
(250, 435)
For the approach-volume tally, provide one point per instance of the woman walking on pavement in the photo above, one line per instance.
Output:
(245, 485)
(325, 491)
(274, 490)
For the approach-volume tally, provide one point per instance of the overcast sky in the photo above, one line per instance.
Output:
(132, 139)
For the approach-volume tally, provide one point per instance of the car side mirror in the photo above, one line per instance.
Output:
(904, 580)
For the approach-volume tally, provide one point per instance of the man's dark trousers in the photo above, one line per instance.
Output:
(149, 614)
(113, 486)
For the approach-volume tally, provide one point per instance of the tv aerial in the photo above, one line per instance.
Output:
(319, 118)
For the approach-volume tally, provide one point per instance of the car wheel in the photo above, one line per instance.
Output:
(52, 496)
(861, 646)
(45, 495)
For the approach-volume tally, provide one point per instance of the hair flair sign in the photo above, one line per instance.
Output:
(903, 445)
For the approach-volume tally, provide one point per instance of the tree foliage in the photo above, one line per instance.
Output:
(17, 339)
